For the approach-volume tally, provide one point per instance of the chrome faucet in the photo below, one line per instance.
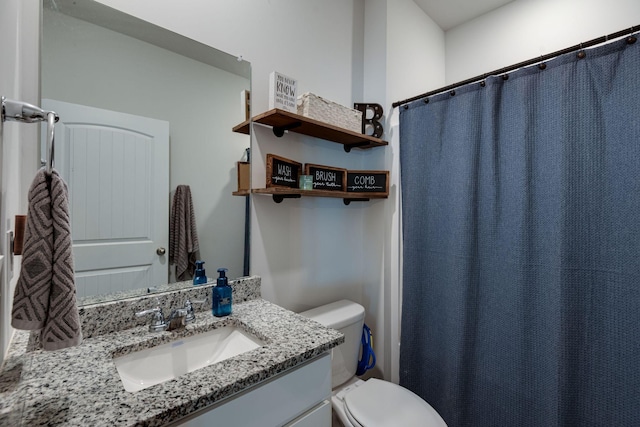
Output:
(176, 320)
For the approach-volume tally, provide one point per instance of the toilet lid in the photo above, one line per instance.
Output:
(381, 403)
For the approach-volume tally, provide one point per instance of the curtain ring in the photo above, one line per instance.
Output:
(452, 93)
(426, 100)
(542, 65)
(405, 106)
(483, 83)
(632, 38)
(581, 54)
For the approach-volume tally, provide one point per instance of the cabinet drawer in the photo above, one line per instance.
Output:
(320, 416)
(274, 402)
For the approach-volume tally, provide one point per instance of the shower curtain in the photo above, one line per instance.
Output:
(521, 237)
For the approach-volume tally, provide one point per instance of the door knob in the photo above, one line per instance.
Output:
(161, 251)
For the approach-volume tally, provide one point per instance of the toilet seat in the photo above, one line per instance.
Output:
(381, 403)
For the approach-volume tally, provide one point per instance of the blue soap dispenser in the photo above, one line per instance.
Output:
(221, 295)
(200, 277)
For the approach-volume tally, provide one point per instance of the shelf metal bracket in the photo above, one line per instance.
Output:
(279, 130)
(348, 147)
(278, 198)
(348, 201)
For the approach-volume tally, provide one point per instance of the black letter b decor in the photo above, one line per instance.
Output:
(373, 121)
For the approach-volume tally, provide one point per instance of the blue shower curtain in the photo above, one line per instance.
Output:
(521, 234)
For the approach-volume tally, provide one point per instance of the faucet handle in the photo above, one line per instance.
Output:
(157, 323)
(188, 302)
(149, 311)
(191, 314)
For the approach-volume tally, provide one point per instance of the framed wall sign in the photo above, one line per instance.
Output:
(327, 178)
(368, 182)
(244, 176)
(282, 172)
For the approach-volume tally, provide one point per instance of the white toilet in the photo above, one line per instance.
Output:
(373, 402)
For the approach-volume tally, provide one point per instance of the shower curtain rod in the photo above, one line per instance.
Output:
(532, 61)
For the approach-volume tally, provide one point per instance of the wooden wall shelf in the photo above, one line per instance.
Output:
(242, 127)
(281, 193)
(282, 121)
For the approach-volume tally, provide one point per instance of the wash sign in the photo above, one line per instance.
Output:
(282, 172)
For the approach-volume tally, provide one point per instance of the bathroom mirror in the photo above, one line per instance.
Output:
(100, 59)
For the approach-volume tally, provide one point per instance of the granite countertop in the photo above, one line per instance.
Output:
(80, 385)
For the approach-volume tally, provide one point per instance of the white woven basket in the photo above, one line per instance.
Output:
(323, 110)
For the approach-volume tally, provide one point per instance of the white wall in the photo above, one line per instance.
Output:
(312, 251)
(527, 29)
(414, 64)
(310, 40)
(18, 142)
(404, 56)
(90, 65)
(308, 251)
(415, 52)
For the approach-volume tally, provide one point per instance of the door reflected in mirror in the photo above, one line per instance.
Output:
(97, 60)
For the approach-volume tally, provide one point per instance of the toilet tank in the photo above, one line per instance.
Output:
(347, 317)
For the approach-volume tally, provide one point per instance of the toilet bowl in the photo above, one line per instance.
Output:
(373, 402)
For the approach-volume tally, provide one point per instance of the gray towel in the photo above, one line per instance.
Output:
(183, 236)
(45, 295)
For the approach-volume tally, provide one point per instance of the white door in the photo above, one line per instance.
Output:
(117, 168)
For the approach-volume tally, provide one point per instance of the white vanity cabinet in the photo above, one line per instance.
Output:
(299, 397)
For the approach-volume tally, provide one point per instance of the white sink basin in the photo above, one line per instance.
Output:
(165, 362)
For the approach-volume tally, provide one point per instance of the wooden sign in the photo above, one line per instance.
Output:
(282, 92)
(244, 176)
(327, 178)
(282, 172)
(368, 182)
(245, 101)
